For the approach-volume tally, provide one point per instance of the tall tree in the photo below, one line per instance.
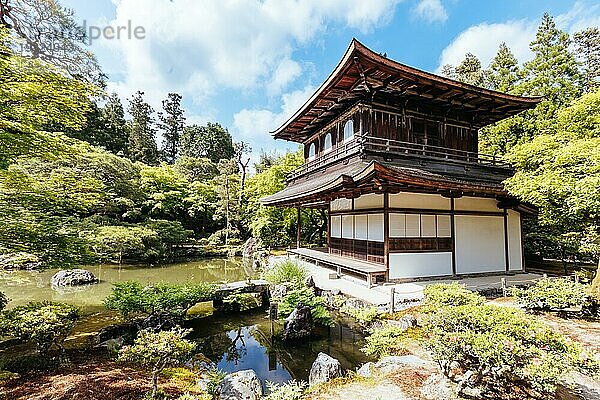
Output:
(587, 44)
(142, 144)
(503, 73)
(115, 126)
(228, 205)
(449, 71)
(171, 123)
(470, 71)
(209, 141)
(48, 31)
(552, 73)
(242, 150)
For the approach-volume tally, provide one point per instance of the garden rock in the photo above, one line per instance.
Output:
(390, 364)
(366, 370)
(438, 387)
(298, 324)
(250, 248)
(407, 321)
(241, 385)
(324, 369)
(279, 291)
(73, 277)
(19, 260)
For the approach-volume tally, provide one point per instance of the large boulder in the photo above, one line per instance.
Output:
(391, 364)
(73, 277)
(438, 387)
(324, 369)
(241, 385)
(298, 324)
(250, 248)
(279, 291)
(19, 260)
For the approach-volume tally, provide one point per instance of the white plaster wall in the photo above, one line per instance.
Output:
(375, 227)
(476, 204)
(341, 204)
(336, 226)
(419, 201)
(360, 227)
(515, 247)
(366, 201)
(479, 244)
(415, 265)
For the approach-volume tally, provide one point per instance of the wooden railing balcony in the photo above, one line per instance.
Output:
(395, 149)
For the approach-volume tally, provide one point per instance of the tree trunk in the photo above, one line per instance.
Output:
(154, 383)
(596, 283)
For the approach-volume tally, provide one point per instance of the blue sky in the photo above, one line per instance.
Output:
(249, 64)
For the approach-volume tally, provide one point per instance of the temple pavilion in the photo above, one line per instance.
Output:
(392, 153)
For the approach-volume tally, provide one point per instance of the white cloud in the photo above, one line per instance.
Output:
(200, 47)
(254, 125)
(431, 11)
(483, 39)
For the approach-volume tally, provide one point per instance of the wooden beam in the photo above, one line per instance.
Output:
(298, 227)
(453, 235)
(386, 233)
(506, 252)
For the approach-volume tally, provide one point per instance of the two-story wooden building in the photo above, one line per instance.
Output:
(392, 152)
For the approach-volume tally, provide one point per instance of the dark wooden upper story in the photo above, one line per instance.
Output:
(371, 104)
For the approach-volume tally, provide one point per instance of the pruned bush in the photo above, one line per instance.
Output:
(307, 297)
(156, 351)
(3, 301)
(503, 347)
(46, 323)
(389, 340)
(450, 294)
(287, 271)
(364, 315)
(292, 390)
(163, 301)
(554, 294)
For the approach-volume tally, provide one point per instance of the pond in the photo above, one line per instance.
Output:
(24, 286)
(232, 342)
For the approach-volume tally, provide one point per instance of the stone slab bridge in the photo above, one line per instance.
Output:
(259, 286)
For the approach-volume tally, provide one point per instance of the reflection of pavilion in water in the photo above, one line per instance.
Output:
(246, 343)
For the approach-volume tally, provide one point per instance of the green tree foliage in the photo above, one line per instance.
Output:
(503, 73)
(292, 390)
(46, 324)
(554, 294)
(172, 121)
(209, 141)
(287, 271)
(305, 296)
(470, 71)
(587, 43)
(228, 204)
(559, 172)
(132, 298)
(196, 169)
(142, 132)
(105, 126)
(47, 31)
(156, 351)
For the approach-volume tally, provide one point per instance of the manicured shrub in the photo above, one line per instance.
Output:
(156, 351)
(554, 294)
(292, 390)
(453, 294)
(503, 347)
(46, 324)
(307, 297)
(389, 340)
(170, 301)
(287, 271)
(215, 376)
(364, 315)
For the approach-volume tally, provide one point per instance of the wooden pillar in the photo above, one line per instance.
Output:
(298, 227)
(386, 233)
(329, 227)
(506, 252)
(453, 235)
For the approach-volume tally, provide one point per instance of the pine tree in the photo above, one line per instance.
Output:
(115, 125)
(552, 73)
(448, 71)
(587, 44)
(142, 143)
(470, 71)
(503, 73)
(171, 123)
